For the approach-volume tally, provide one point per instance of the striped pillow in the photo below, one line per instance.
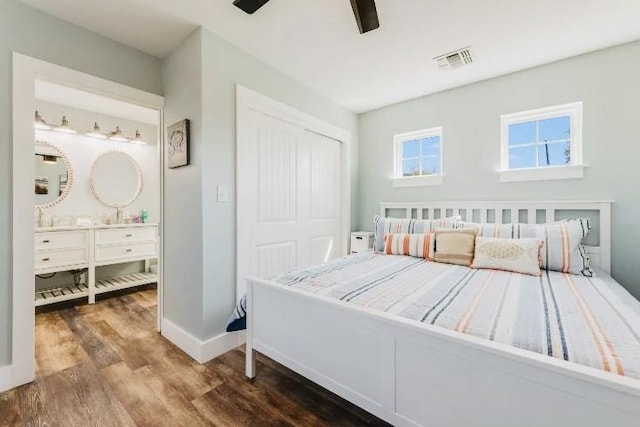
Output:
(384, 226)
(563, 250)
(417, 245)
(503, 231)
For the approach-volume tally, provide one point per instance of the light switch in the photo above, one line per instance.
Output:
(223, 193)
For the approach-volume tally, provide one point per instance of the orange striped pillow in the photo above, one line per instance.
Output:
(417, 245)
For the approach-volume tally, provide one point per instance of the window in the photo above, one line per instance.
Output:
(542, 144)
(418, 158)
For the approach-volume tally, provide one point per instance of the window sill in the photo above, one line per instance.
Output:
(542, 174)
(417, 181)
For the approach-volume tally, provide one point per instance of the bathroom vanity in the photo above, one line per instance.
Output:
(82, 243)
(78, 248)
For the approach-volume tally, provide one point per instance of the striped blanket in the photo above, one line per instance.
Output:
(590, 321)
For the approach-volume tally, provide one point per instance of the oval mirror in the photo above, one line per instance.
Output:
(54, 175)
(116, 179)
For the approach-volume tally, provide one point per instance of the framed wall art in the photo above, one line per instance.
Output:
(178, 144)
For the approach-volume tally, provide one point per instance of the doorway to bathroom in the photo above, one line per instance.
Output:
(88, 162)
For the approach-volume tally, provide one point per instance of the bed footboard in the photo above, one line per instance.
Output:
(411, 375)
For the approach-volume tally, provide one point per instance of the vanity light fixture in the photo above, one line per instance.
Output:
(49, 159)
(64, 126)
(138, 138)
(39, 122)
(95, 132)
(117, 135)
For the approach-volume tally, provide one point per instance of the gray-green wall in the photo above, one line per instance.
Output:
(183, 237)
(212, 244)
(606, 81)
(33, 33)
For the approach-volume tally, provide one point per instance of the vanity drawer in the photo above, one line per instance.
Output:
(134, 250)
(61, 240)
(46, 260)
(126, 235)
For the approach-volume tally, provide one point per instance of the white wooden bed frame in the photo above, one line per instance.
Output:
(416, 374)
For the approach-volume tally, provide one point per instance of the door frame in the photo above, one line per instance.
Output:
(26, 71)
(248, 100)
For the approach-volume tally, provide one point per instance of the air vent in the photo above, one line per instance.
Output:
(455, 59)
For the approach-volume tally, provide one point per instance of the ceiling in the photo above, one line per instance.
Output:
(318, 44)
(76, 98)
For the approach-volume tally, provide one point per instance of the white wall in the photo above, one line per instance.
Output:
(33, 33)
(608, 84)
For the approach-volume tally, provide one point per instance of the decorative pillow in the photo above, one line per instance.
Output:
(504, 231)
(455, 246)
(563, 250)
(417, 245)
(384, 226)
(517, 255)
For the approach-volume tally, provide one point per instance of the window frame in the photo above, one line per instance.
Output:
(573, 169)
(419, 180)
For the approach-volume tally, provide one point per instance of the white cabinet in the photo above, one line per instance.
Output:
(125, 244)
(361, 241)
(88, 248)
(60, 260)
(61, 250)
(61, 239)
(115, 236)
(124, 253)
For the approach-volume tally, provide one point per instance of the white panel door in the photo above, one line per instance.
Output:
(289, 195)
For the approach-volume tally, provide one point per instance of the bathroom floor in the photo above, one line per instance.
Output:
(105, 365)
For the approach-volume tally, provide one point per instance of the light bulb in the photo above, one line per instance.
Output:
(95, 133)
(64, 127)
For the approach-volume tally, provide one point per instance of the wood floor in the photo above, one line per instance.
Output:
(104, 365)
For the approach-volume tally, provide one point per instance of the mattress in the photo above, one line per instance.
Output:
(590, 321)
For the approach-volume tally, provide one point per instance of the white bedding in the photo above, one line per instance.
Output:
(590, 321)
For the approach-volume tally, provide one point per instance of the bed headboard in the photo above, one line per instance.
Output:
(598, 243)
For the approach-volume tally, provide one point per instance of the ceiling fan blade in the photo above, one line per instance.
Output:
(366, 15)
(249, 6)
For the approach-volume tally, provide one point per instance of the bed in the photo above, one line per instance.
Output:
(434, 344)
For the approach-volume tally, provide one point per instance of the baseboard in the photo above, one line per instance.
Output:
(221, 344)
(6, 382)
(201, 351)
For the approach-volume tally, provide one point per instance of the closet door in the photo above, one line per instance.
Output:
(288, 198)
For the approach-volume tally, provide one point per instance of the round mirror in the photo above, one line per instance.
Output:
(54, 175)
(116, 179)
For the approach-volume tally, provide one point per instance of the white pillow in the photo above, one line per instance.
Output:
(517, 255)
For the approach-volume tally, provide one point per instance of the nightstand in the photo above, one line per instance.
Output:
(361, 241)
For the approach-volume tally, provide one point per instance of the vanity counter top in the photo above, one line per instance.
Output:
(99, 226)
(146, 224)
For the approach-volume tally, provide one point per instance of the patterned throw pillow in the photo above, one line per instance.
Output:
(517, 255)
(417, 245)
(455, 246)
(562, 251)
(384, 226)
